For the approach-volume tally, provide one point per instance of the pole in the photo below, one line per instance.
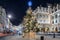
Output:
(54, 35)
(42, 38)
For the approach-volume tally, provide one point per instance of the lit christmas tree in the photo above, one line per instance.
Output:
(30, 22)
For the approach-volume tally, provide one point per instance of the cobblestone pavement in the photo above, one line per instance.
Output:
(17, 37)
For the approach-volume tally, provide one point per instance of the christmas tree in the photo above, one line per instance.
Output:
(30, 22)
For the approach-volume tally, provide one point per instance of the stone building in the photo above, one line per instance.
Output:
(4, 22)
(48, 18)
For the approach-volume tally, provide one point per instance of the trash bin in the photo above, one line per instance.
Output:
(42, 38)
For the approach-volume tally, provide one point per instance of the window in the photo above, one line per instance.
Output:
(40, 16)
(53, 22)
(56, 21)
(43, 16)
(55, 16)
(52, 17)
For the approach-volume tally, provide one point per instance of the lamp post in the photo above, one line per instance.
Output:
(9, 17)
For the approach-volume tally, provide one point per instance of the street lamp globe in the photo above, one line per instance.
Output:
(9, 16)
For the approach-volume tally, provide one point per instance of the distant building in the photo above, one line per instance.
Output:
(3, 19)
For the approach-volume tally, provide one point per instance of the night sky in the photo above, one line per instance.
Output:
(17, 8)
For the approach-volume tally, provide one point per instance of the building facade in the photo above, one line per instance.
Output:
(4, 22)
(56, 19)
(48, 18)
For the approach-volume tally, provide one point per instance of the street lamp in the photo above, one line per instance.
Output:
(9, 17)
(7, 28)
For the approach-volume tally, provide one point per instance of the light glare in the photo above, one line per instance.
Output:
(29, 3)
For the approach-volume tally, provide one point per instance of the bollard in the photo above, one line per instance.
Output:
(54, 35)
(42, 38)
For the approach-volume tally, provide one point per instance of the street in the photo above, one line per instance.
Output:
(19, 37)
